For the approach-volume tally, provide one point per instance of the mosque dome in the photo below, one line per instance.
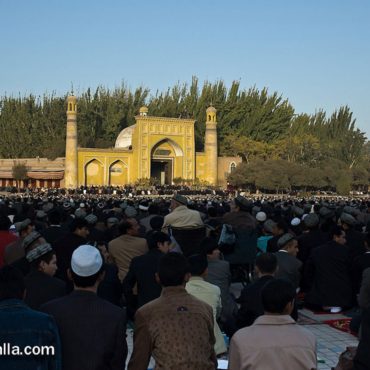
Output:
(211, 109)
(124, 139)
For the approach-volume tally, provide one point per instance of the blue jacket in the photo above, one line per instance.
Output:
(20, 326)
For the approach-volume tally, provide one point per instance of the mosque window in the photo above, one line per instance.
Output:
(209, 118)
(232, 167)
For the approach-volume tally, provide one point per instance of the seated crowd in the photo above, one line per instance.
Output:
(74, 271)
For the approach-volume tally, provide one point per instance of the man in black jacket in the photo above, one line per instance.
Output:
(142, 272)
(328, 268)
(250, 298)
(92, 330)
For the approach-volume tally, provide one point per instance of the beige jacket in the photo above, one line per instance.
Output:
(210, 294)
(123, 249)
(183, 217)
(273, 342)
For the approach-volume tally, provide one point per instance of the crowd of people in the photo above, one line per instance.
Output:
(76, 267)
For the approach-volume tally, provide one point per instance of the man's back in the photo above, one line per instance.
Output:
(273, 342)
(21, 326)
(178, 329)
(123, 249)
(250, 302)
(92, 331)
(329, 270)
(142, 271)
(183, 217)
(288, 268)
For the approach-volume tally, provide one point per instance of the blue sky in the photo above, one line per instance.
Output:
(315, 53)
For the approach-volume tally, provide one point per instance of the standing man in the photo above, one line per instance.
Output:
(274, 340)
(92, 330)
(176, 328)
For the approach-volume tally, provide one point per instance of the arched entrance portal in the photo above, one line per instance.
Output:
(94, 173)
(166, 161)
(117, 173)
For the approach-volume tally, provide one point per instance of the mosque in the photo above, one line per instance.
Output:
(154, 147)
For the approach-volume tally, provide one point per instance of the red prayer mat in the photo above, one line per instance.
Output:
(340, 324)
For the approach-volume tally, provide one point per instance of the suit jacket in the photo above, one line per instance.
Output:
(251, 303)
(364, 296)
(329, 270)
(289, 268)
(123, 249)
(308, 241)
(92, 331)
(273, 342)
(219, 274)
(210, 294)
(355, 242)
(177, 329)
(42, 288)
(183, 217)
(142, 272)
(360, 264)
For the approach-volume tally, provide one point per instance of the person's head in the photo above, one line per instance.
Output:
(160, 241)
(156, 222)
(80, 227)
(280, 228)
(210, 248)
(266, 264)
(337, 234)
(46, 263)
(11, 283)
(33, 240)
(198, 265)
(24, 227)
(173, 270)
(177, 201)
(87, 268)
(278, 297)
(288, 243)
(241, 204)
(347, 221)
(130, 226)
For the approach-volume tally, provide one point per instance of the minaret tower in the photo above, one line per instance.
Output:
(210, 146)
(70, 171)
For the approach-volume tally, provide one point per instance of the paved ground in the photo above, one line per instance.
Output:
(330, 342)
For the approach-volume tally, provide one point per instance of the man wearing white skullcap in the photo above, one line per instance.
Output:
(92, 330)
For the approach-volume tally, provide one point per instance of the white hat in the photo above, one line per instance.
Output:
(261, 216)
(86, 260)
(295, 222)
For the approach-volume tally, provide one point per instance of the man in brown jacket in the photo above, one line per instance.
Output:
(274, 341)
(176, 328)
(127, 246)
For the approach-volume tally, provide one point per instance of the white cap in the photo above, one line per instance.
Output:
(261, 216)
(86, 260)
(295, 222)
(82, 205)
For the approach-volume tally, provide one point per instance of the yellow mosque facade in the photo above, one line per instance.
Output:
(154, 147)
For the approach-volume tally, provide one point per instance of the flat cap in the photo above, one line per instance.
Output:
(347, 219)
(180, 199)
(20, 226)
(283, 240)
(311, 220)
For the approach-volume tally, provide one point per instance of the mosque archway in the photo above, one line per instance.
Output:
(166, 161)
(94, 173)
(118, 173)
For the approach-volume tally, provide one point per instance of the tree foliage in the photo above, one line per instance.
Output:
(257, 125)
